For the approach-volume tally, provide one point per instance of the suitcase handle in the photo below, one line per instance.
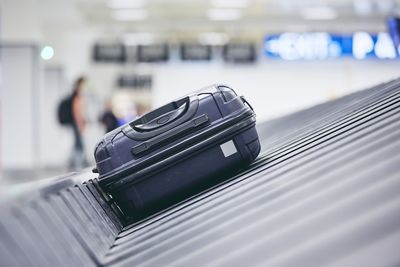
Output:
(246, 102)
(163, 115)
(187, 126)
(163, 118)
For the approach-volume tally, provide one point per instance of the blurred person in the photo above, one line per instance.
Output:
(78, 124)
(142, 109)
(108, 119)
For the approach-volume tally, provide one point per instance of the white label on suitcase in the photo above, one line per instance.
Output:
(228, 148)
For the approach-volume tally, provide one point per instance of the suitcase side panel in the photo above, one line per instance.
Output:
(189, 176)
(115, 152)
(157, 177)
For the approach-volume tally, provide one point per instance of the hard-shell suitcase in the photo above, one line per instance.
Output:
(177, 150)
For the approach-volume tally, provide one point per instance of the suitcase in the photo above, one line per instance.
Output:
(177, 150)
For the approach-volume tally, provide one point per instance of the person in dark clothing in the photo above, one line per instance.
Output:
(108, 119)
(78, 158)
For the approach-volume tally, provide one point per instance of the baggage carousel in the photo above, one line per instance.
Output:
(325, 191)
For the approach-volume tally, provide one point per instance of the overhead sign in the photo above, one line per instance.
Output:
(152, 53)
(109, 52)
(239, 52)
(135, 81)
(195, 52)
(322, 45)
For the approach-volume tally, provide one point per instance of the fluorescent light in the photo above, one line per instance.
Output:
(362, 7)
(138, 38)
(224, 14)
(318, 13)
(47, 52)
(213, 38)
(129, 14)
(230, 3)
(125, 3)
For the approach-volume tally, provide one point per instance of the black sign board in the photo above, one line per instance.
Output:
(109, 53)
(239, 53)
(195, 52)
(135, 81)
(152, 53)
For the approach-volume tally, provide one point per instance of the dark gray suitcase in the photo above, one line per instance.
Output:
(177, 150)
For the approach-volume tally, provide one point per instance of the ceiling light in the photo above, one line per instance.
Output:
(385, 6)
(139, 38)
(129, 14)
(213, 38)
(230, 3)
(224, 14)
(318, 13)
(47, 52)
(362, 7)
(125, 3)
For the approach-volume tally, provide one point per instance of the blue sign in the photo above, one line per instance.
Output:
(322, 46)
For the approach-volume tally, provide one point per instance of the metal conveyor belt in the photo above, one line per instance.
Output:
(325, 191)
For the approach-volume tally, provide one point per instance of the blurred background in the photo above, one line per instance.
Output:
(283, 55)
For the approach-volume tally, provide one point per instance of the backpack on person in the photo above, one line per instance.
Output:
(64, 112)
